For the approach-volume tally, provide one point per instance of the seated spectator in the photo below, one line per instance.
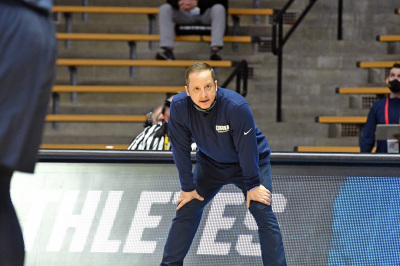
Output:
(203, 12)
(384, 111)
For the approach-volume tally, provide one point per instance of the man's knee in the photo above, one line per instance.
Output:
(165, 9)
(261, 212)
(218, 10)
(193, 208)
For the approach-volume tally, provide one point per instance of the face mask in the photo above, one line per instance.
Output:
(394, 85)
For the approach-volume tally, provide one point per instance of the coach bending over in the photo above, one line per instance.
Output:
(232, 150)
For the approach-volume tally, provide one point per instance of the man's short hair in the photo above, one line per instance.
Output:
(197, 67)
(395, 65)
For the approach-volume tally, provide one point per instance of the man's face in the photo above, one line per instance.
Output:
(167, 114)
(393, 74)
(202, 89)
(157, 115)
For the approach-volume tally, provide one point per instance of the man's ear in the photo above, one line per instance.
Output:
(187, 91)
(216, 85)
(387, 80)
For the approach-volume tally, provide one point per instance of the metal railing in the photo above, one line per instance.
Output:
(241, 73)
(340, 21)
(278, 41)
(283, 158)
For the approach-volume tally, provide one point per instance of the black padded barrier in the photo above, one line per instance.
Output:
(115, 208)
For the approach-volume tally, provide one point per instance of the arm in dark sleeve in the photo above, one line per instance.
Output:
(181, 148)
(368, 137)
(173, 3)
(244, 137)
(204, 4)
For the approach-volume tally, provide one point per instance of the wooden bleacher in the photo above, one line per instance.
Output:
(151, 37)
(102, 89)
(363, 90)
(73, 63)
(341, 119)
(147, 37)
(377, 64)
(359, 120)
(116, 89)
(137, 62)
(105, 10)
(77, 62)
(149, 10)
(96, 118)
(388, 38)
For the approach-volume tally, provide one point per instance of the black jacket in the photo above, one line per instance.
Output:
(202, 4)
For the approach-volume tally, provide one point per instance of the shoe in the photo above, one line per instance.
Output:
(215, 56)
(167, 54)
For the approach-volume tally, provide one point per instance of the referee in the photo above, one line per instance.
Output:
(231, 150)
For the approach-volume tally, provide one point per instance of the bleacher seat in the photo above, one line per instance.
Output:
(363, 90)
(341, 119)
(377, 64)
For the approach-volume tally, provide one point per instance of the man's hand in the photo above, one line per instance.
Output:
(260, 194)
(185, 197)
(186, 5)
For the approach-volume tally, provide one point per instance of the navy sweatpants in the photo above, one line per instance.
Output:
(210, 178)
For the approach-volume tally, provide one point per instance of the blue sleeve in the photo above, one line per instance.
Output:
(244, 138)
(368, 137)
(181, 148)
(45, 5)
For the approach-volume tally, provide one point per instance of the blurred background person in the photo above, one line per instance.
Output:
(384, 111)
(183, 12)
(27, 72)
(155, 135)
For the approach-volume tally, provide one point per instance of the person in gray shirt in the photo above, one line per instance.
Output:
(27, 72)
(192, 12)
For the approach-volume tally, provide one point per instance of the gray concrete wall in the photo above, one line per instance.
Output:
(314, 64)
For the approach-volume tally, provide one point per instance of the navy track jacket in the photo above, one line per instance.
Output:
(377, 116)
(226, 135)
